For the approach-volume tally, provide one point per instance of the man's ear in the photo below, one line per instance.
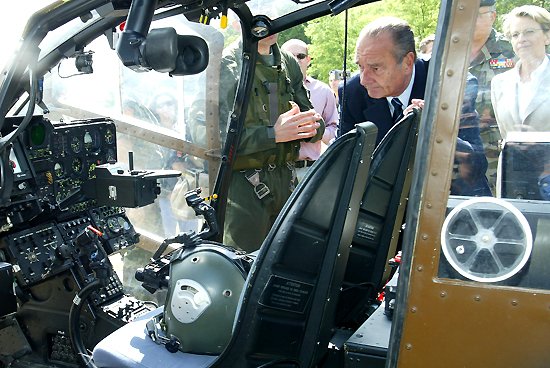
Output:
(493, 17)
(409, 59)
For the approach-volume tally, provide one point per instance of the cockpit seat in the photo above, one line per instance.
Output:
(316, 224)
(130, 346)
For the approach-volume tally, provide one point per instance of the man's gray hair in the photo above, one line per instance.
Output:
(400, 31)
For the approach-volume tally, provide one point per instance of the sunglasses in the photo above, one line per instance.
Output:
(301, 56)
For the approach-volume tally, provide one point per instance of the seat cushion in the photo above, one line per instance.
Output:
(130, 346)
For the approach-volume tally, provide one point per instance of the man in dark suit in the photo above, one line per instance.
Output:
(388, 70)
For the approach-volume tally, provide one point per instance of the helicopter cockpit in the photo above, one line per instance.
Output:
(118, 134)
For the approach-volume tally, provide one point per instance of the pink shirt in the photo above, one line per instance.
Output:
(324, 102)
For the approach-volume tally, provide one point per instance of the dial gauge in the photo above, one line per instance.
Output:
(109, 136)
(76, 145)
(58, 169)
(77, 165)
(92, 141)
(111, 157)
(114, 225)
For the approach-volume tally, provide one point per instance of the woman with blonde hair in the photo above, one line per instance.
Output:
(521, 96)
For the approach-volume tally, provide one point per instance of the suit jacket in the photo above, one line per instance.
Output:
(505, 103)
(357, 106)
(470, 179)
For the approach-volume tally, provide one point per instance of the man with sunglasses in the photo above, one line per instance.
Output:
(490, 55)
(324, 102)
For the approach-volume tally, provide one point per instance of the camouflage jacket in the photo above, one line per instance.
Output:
(257, 147)
(495, 57)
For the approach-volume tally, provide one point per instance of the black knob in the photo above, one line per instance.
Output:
(173, 345)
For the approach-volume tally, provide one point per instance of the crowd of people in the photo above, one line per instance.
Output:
(391, 81)
(292, 117)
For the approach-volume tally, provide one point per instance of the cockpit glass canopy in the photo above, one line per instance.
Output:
(277, 9)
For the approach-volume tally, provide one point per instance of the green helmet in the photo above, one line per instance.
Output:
(203, 293)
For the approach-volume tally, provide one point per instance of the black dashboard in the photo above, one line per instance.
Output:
(51, 163)
(56, 235)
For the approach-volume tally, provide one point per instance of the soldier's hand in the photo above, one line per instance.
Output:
(293, 125)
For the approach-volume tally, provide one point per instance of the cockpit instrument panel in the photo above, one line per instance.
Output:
(64, 155)
(47, 208)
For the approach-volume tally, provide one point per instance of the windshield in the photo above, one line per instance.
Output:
(276, 9)
(65, 32)
(13, 17)
(166, 122)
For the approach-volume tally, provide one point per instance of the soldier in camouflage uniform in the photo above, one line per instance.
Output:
(491, 54)
(279, 116)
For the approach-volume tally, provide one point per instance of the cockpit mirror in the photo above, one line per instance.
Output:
(167, 52)
(162, 49)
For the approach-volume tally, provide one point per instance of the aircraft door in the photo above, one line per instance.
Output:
(473, 287)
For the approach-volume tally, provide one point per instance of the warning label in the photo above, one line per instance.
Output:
(286, 294)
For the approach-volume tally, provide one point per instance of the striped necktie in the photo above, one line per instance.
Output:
(397, 109)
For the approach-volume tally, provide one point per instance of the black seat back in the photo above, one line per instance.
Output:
(288, 304)
(379, 222)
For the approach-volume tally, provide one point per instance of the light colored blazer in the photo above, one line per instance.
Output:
(505, 103)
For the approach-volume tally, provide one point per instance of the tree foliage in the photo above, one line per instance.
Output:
(327, 34)
(504, 6)
(294, 32)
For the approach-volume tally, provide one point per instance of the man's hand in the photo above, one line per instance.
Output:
(414, 103)
(294, 125)
(465, 169)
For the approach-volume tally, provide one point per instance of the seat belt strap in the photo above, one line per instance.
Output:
(273, 103)
(253, 177)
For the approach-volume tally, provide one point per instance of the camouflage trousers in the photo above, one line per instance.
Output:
(248, 218)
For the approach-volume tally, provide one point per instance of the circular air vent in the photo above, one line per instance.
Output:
(486, 239)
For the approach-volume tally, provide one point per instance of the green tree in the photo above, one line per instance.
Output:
(504, 6)
(327, 37)
(421, 14)
(297, 32)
